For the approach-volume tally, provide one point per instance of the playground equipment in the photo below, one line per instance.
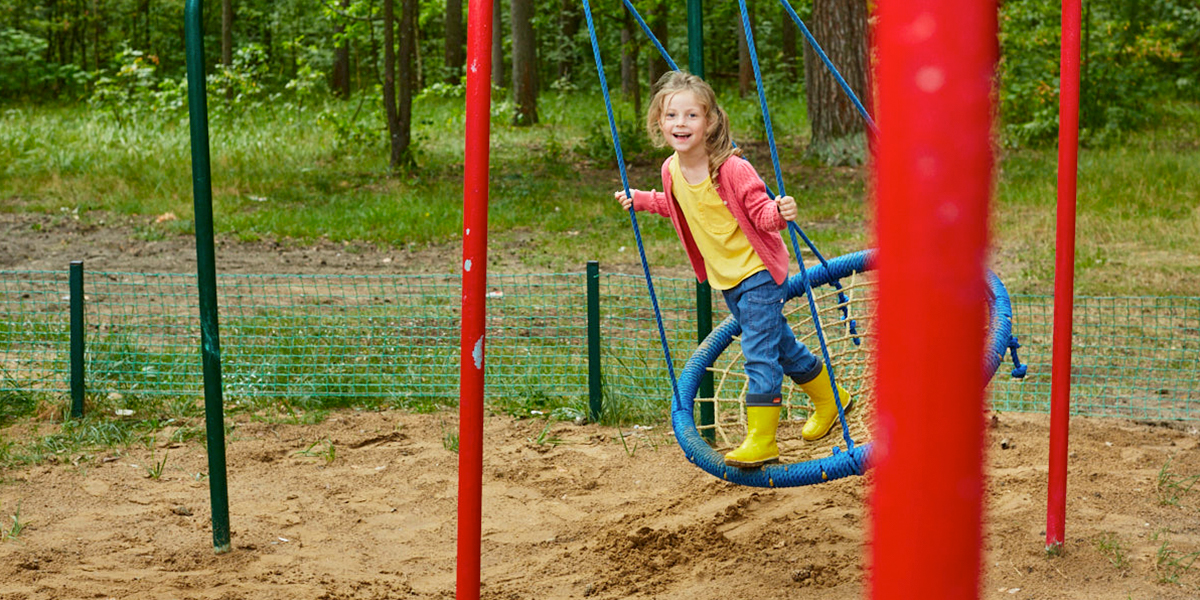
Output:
(1064, 272)
(853, 459)
(936, 61)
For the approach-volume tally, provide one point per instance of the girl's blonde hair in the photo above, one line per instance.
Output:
(717, 140)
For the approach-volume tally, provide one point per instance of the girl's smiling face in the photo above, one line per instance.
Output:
(684, 123)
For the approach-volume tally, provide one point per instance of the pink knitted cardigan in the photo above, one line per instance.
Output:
(745, 195)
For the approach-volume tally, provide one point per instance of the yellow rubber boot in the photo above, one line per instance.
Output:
(759, 447)
(820, 391)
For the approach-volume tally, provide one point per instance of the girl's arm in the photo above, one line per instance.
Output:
(652, 201)
(760, 208)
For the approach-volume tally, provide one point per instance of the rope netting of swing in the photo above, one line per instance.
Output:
(847, 316)
(850, 351)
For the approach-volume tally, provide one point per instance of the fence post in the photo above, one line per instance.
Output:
(595, 387)
(77, 340)
(206, 275)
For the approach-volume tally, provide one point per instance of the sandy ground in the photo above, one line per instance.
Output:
(579, 516)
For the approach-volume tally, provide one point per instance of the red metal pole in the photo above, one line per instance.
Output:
(1064, 274)
(474, 309)
(937, 61)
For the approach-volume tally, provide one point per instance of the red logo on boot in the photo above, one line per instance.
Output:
(776, 400)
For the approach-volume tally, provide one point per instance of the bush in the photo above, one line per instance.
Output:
(242, 83)
(1134, 54)
(635, 144)
(135, 88)
(23, 72)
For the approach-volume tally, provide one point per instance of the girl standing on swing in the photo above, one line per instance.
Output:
(730, 230)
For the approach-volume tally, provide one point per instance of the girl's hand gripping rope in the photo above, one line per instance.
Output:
(787, 207)
(626, 201)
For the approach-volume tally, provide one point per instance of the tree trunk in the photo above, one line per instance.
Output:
(80, 34)
(389, 77)
(227, 33)
(523, 60)
(341, 57)
(398, 126)
(456, 56)
(840, 26)
(787, 48)
(418, 73)
(745, 69)
(146, 32)
(51, 33)
(631, 85)
(408, 50)
(498, 78)
(96, 20)
(569, 16)
(661, 17)
(373, 51)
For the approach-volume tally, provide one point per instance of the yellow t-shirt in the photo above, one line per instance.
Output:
(728, 256)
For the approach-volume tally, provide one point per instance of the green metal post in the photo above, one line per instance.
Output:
(696, 37)
(595, 387)
(703, 290)
(77, 342)
(210, 348)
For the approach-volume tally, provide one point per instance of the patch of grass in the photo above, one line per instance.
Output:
(1172, 487)
(449, 438)
(1171, 564)
(155, 469)
(323, 448)
(1136, 213)
(641, 436)
(7, 447)
(187, 433)
(1109, 545)
(531, 402)
(14, 403)
(545, 438)
(76, 436)
(15, 526)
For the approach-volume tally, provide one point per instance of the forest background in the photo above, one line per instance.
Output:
(357, 107)
(105, 51)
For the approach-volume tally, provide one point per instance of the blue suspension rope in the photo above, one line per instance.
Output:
(837, 285)
(792, 227)
(677, 401)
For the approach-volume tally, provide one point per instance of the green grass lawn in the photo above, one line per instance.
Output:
(291, 175)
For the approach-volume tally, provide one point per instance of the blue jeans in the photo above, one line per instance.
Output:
(769, 348)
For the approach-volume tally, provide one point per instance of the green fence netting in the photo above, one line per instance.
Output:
(337, 340)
